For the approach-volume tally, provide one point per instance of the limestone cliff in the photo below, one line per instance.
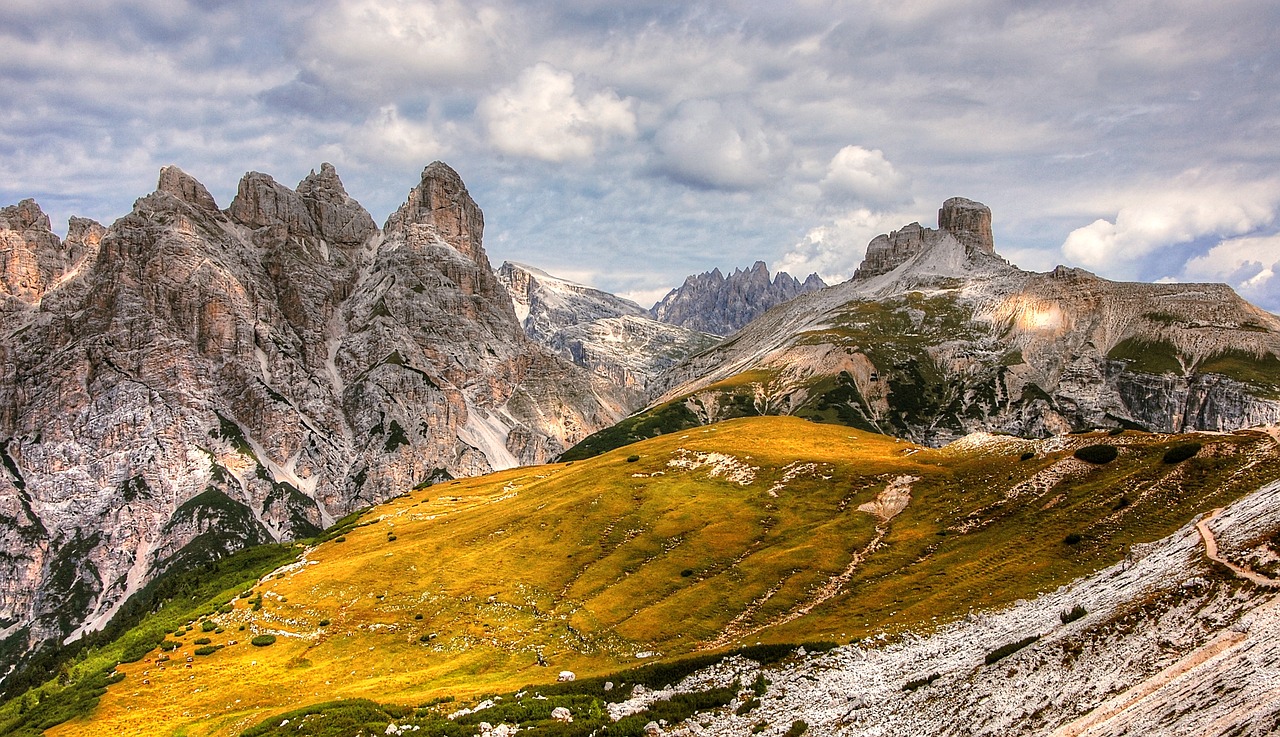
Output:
(191, 380)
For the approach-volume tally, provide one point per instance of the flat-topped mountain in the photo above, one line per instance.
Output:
(192, 380)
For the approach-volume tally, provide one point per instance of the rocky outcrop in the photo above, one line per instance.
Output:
(191, 380)
(712, 303)
(614, 338)
(937, 337)
(966, 221)
(969, 222)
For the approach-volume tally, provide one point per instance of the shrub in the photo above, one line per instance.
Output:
(747, 706)
(224, 609)
(391, 538)
(1073, 539)
(324, 623)
(918, 682)
(263, 640)
(169, 645)
(632, 459)
(1181, 452)
(686, 573)
(1115, 431)
(208, 626)
(1121, 503)
(206, 650)
(201, 641)
(1027, 456)
(340, 539)
(1072, 614)
(798, 727)
(1005, 651)
(1097, 454)
(417, 616)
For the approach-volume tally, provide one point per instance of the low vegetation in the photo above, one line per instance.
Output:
(584, 566)
(1005, 651)
(1070, 615)
(1181, 452)
(1097, 454)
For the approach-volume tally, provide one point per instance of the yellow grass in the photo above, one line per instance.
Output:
(581, 563)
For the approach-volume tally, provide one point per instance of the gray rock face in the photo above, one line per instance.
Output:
(612, 337)
(966, 221)
(714, 304)
(969, 222)
(937, 337)
(192, 380)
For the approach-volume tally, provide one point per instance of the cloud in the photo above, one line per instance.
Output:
(542, 117)
(389, 137)
(379, 50)
(1250, 265)
(1159, 216)
(835, 249)
(866, 176)
(706, 144)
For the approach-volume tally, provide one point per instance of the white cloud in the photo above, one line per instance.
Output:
(542, 116)
(710, 145)
(834, 250)
(1251, 265)
(1156, 217)
(866, 176)
(388, 48)
(388, 137)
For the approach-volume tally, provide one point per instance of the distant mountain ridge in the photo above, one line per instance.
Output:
(713, 303)
(613, 337)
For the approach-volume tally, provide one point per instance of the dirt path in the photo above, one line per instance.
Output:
(1211, 552)
(1223, 643)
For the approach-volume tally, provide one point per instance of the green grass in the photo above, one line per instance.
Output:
(664, 419)
(1147, 356)
(1263, 373)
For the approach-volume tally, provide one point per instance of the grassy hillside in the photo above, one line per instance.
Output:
(692, 542)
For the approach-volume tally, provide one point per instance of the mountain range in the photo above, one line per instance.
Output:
(193, 381)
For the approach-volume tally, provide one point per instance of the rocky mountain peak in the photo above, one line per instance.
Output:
(712, 303)
(969, 222)
(441, 203)
(24, 215)
(340, 219)
(31, 255)
(182, 185)
(260, 201)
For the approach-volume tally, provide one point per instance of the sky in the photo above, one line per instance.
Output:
(630, 144)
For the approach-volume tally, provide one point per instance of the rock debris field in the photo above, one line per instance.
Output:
(1172, 644)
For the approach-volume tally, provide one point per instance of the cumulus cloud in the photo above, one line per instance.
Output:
(1251, 265)
(388, 137)
(865, 176)
(542, 116)
(835, 249)
(706, 144)
(380, 49)
(1157, 217)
